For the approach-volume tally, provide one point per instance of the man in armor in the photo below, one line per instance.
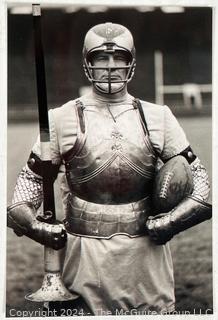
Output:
(106, 144)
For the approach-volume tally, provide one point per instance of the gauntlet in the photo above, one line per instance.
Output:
(21, 217)
(190, 212)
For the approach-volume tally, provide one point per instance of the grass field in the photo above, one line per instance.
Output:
(192, 250)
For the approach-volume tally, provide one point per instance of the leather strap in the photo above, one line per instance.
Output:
(138, 105)
(81, 132)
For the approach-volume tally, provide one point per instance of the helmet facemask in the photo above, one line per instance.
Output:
(110, 82)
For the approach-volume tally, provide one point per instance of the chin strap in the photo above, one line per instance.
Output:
(190, 212)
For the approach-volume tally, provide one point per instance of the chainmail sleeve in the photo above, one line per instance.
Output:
(200, 180)
(28, 188)
(29, 185)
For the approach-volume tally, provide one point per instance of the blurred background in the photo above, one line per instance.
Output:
(174, 67)
(173, 46)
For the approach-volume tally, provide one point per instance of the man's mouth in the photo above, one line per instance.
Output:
(112, 77)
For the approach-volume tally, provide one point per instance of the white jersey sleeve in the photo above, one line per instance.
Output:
(166, 134)
(175, 139)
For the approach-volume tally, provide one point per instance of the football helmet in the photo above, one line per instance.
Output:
(109, 38)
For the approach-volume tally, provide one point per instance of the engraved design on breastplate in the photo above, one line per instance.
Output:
(117, 137)
(115, 164)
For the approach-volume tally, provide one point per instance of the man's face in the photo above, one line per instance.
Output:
(112, 75)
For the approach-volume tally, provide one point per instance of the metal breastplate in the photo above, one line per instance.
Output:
(112, 161)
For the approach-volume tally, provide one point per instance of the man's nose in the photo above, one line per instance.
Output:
(111, 62)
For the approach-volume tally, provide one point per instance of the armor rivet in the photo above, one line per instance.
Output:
(32, 161)
(189, 154)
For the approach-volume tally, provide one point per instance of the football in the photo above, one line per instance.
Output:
(173, 182)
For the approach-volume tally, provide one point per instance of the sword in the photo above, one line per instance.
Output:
(52, 288)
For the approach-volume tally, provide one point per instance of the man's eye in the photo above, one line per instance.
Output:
(100, 58)
(120, 58)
